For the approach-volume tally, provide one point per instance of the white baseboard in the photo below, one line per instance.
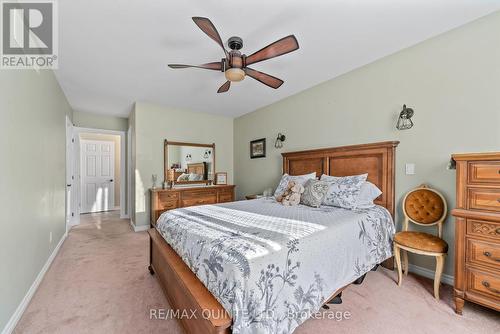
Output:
(141, 228)
(446, 279)
(74, 223)
(124, 216)
(138, 228)
(11, 324)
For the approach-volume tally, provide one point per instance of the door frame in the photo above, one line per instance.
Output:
(124, 182)
(70, 175)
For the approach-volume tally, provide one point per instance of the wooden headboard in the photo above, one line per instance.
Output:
(376, 159)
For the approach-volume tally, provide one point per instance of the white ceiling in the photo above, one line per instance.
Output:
(113, 53)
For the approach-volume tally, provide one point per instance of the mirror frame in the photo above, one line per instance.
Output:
(178, 143)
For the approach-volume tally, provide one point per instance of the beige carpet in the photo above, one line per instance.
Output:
(99, 283)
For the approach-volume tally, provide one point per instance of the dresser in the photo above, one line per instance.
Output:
(167, 199)
(477, 230)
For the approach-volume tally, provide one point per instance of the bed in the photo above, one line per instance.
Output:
(259, 267)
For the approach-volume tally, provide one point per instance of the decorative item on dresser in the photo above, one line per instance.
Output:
(168, 199)
(221, 178)
(477, 230)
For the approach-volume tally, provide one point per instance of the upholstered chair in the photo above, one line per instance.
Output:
(427, 207)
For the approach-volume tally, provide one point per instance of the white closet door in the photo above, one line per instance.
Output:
(97, 174)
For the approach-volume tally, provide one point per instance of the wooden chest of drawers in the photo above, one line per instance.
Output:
(477, 230)
(167, 199)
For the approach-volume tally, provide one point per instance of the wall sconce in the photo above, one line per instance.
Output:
(404, 121)
(207, 154)
(188, 157)
(279, 140)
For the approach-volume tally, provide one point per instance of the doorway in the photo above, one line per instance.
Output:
(100, 172)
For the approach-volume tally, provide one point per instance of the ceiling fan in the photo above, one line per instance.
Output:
(235, 64)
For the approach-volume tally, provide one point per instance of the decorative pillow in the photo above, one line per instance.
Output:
(314, 193)
(343, 191)
(285, 179)
(367, 194)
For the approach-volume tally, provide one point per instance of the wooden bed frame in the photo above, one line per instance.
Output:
(184, 291)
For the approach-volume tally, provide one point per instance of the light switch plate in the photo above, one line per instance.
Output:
(410, 169)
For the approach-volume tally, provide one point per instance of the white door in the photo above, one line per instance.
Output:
(69, 173)
(97, 175)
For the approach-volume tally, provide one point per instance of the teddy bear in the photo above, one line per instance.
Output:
(291, 196)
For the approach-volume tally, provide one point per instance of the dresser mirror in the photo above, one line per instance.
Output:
(189, 163)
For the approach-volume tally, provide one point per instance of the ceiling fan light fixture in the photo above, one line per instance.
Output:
(235, 64)
(234, 74)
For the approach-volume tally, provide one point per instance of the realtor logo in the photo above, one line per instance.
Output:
(29, 34)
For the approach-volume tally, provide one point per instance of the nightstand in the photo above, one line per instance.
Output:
(253, 196)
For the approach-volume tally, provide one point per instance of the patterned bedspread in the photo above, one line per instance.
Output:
(272, 266)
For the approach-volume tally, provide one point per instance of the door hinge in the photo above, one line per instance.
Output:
(72, 214)
(72, 140)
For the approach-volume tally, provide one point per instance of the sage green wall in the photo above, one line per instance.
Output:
(95, 121)
(153, 124)
(453, 83)
(32, 182)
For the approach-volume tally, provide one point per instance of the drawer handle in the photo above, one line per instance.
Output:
(497, 230)
(486, 284)
(488, 254)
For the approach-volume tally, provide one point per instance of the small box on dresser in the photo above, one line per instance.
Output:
(477, 230)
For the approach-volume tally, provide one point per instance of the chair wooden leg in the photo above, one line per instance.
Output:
(397, 255)
(439, 271)
(405, 262)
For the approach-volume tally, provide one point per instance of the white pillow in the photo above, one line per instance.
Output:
(343, 191)
(367, 194)
(283, 184)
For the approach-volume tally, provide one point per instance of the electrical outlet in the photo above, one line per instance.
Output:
(410, 169)
(50, 237)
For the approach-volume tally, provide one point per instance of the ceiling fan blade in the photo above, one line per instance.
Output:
(208, 28)
(283, 46)
(217, 65)
(225, 87)
(266, 79)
